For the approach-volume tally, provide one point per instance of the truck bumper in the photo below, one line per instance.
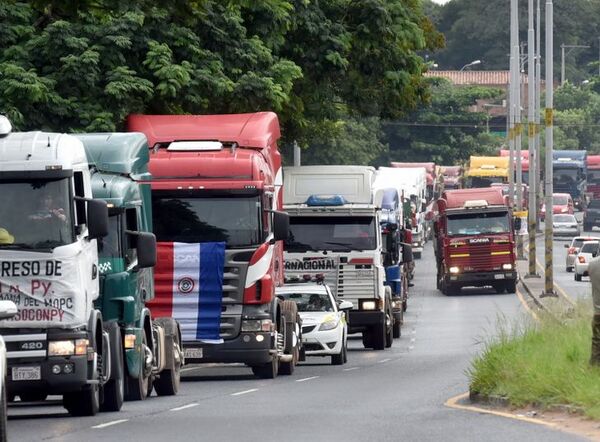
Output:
(361, 320)
(51, 383)
(250, 348)
(480, 278)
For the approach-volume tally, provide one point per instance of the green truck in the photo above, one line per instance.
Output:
(151, 349)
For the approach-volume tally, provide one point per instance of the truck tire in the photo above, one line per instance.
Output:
(499, 287)
(417, 255)
(378, 338)
(290, 315)
(397, 329)
(168, 381)
(136, 389)
(114, 389)
(3, 414)
(577, 277)
(511, 286)
(268, 370)
(453, 289)
(83, 403)
(367, 339)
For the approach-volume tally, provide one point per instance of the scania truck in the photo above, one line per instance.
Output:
(474, 240)
(216, 182)
(150, 350)
(58, 343)
(483, 171)
(335, 231)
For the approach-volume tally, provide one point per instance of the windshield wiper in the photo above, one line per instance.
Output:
(47, 244)
(16, 246)
(349, 246)
(298, 247)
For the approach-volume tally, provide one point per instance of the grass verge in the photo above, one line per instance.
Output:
(542, 364)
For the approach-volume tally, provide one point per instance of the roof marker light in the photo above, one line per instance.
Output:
(326, 200)
(195, 146)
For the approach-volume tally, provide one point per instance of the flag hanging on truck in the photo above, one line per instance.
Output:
(189, 288)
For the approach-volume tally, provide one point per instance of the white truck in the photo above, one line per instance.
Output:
(413, 185)
(335, 231)
(57, 343)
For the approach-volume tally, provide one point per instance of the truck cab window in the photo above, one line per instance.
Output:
(131, 224)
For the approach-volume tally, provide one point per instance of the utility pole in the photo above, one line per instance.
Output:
(518, 127)
(533, 151)
(562, 59)
(548, 117)
(514, 67)
(538, 110)
(297, 154)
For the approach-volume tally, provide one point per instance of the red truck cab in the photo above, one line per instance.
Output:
(217, 178)
(593, 176)
(474, 240)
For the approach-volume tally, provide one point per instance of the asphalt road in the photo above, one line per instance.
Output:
(396, 394)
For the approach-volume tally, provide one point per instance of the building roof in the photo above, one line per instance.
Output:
(482, 78)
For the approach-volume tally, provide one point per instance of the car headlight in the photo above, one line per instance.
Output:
(61, 348)
(329, 323)
(454, 270)
(506, 266)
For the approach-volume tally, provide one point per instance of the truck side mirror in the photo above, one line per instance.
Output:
(146, 249)
(407, 254)
(7, 309)
(97, 218)
(281, 225)
(517, 224)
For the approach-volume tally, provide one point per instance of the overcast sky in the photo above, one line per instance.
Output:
(440, 2)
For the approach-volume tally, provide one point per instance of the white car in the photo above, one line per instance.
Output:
(565, 225)
(324, 326)
(589, 250)
(573, 250)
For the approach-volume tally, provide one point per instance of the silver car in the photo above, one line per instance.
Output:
(573, 250)
(566, 225)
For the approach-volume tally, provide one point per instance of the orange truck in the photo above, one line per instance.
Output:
(474, 240)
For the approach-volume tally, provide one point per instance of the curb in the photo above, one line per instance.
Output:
(504, 401)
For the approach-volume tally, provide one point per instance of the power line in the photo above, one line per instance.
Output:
(478, 126)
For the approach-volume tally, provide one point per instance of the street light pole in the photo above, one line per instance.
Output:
(514, 67)
(549, 274)
(562, 58)
(533, 151)
(538, 110)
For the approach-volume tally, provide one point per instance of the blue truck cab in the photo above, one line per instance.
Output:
(570, 174)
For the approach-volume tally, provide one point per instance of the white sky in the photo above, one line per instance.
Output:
(440, 2)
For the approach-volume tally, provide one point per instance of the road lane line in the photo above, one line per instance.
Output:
(384, 360)
(239, 393)
(524, 303)
(350, 368)
(307, 379)
(183, 407)
(110, 424)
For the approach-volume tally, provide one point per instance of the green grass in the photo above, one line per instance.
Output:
(541, 364)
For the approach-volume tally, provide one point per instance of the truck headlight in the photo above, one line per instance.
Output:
(329, 324)
(257, 325)
(61, 348)
(368, 305)
(454, 270)
(396, 305)
(415, 244)
(564, 210)
(506, 266)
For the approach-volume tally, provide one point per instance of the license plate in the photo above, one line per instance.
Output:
(26, 373)
(193, 353)
(498, 276)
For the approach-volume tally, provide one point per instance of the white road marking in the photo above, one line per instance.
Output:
(109, 424)
(384, 360)
(410, 347)
(183, 407)
(351, 368)
(412, 340)
(239, 393)
(307, 379)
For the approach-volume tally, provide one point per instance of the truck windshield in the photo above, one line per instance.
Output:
(478, 223)
(565, 176)
(593, 176)
(336, 233)
(35, 214)
(476, 181)
(233, 219)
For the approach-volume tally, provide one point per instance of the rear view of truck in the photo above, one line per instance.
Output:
(474, 241)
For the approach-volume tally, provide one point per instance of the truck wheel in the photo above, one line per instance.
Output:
(452, 290)
(169, 380)
(137, 388)
(83, 403)
(379, 337)
(3, 414)
(268, 370)
(290, 314)
(499, 287)
(577, 277)
(511, 286)
(417, 255)
(114, 389)
(367, 339)
(397, 330)
(569, 269)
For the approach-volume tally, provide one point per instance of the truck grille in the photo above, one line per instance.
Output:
(356, 282)
(480, 257)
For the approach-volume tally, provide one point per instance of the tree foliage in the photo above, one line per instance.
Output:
(445, 130)
(82, 65)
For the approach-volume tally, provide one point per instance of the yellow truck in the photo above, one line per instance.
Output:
(483, 171)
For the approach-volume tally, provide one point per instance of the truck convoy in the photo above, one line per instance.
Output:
(524, 164)
(451, 177)
(432, 180)
(483, 171)
(569, 168)
(149, 351)
(593, 176)
(216, 182)
(474, 240)
(335, 231)
(59, 342)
